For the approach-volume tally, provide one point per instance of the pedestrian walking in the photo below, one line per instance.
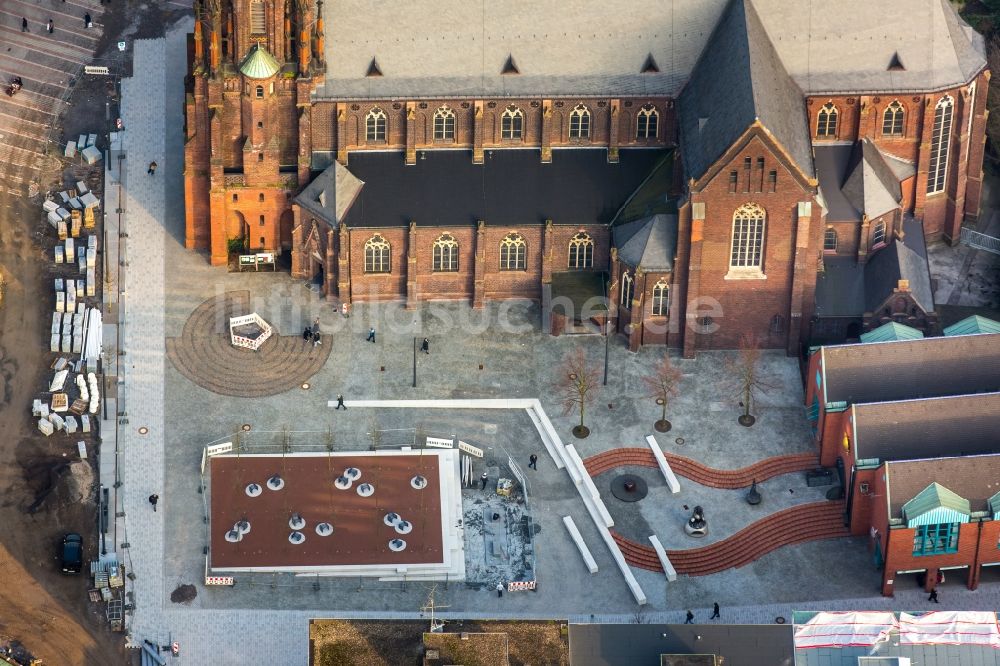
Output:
(499, 589)
(715, 611)
(317, 337)
(340, 402)
(24, 24)
(87, 23)
(533, 461)
(371, 334)
(49, 26)
(153, 499)
(690, 618)
(484, 478)
(425, 346)
(933, 596)
(152, 169)
(307, 334)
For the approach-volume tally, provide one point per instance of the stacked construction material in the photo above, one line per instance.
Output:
(53, 416)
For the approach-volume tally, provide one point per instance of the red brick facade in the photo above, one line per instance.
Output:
(254, 142)
(864, 116)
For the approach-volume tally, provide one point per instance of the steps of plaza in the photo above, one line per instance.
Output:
(807, 522)
(695, 471)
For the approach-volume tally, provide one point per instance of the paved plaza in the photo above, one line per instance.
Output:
(499, 352)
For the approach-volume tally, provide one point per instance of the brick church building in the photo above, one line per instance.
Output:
(701, 162)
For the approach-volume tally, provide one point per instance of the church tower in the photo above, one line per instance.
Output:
(252, 67)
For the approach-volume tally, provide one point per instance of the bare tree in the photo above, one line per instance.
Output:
(577, 387)
(663, 383)
(746, 376)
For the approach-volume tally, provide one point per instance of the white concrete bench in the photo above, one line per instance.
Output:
(668, 568)
(574, 533)
(668, 474)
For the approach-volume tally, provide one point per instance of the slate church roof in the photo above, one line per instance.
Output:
(441, 48)
(872, 187)
(512, 187)
(649, 242)
(738, 80)
(848, 289)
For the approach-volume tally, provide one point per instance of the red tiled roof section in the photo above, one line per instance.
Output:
(694, 470)
(903, 369)
(806, 522)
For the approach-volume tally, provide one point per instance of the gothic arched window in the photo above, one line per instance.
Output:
(375, 123)
(661, 299)
(826, 121)
(511, 123)
(940, 145)
(444, 124)
(748, 237)
(579, 122)
(377, 255)
(445, 254)
(581, 251)
(513, 253)
(892, 119)
(628, 289)
(647, 121)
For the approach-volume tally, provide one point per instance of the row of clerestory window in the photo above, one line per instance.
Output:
(828, 119)
(512, 123)
(444, 253)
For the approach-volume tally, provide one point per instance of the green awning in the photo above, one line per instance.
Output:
(936, 504)
(972, 326)
(995, 506)
(891, 331)
(259, 64)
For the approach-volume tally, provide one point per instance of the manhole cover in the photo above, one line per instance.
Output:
(306, 386)
(629, 487)
(246, 427)
(143, 430)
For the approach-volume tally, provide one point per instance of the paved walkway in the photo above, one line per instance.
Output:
(252, 628)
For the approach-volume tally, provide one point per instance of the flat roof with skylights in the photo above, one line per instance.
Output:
(389, 514)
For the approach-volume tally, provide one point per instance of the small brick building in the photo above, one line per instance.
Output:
(841, 376)
(936, 517)
(287, 95)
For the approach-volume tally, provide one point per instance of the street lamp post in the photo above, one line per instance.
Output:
(414, 363)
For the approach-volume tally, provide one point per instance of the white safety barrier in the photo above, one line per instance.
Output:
(574, 533)
(668, 568)
(668, 474)
(220, 580)
(520, 585)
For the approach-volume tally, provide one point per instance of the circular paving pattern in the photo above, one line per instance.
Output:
(204, 355)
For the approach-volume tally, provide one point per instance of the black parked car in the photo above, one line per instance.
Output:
(71, 553)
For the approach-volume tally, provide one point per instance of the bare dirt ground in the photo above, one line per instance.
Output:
(391, 643)
(42, 493)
